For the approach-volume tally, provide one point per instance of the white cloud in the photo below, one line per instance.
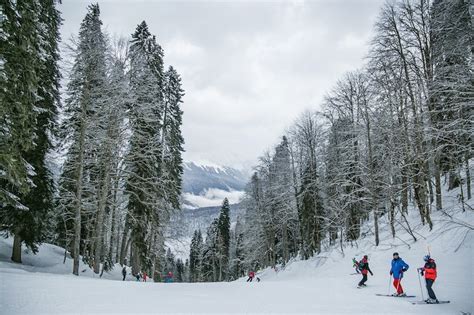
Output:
(213, 197)
(248, 68)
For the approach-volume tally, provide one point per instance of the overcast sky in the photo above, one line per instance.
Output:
(249, 68)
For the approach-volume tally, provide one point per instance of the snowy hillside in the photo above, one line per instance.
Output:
(206, 185)
(321, 285)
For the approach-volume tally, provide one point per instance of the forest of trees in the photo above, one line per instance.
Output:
(117, 131)
(386, 138)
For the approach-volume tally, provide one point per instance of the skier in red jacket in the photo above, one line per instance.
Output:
(251, 276)
(429, 271)
(363, 266)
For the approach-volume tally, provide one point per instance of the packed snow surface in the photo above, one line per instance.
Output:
(321, 285)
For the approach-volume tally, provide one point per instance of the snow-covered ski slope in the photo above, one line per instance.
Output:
(321, 285)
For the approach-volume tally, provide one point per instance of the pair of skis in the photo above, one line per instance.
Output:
(412, 296)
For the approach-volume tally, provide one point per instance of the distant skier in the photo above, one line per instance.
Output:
(429, 271)
(137, 276)
(124, 272)
(144, 276)
(397, 270)
(363, 266)
(355, 265)
(169, 277)
(251, 276)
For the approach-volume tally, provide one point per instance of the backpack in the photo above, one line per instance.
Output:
(361, 265)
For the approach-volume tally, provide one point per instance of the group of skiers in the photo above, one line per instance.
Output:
(398, 268)
(140, 275)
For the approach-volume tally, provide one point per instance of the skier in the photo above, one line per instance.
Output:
(124, 272)
(251, 276)
(169, 277)
(355, 264)
(429, 271)
(363, 266)
(397, 270)
(138, 276)
(144, 276)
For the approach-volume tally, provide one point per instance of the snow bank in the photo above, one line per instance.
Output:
(321, 285)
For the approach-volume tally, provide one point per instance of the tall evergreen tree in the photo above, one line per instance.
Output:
(145, 156)
(30, 55)
(85, 92)
(452, 85)
(224, 240)
(172, 140)
(195, 257)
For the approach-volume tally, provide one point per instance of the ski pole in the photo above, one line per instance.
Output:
(389, 283)
(421, 289)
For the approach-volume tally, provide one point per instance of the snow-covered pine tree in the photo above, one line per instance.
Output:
(144, 185)
(180, 270)
(195, 257)
(171, 138)
(452, 86)
(85, 92)
(30, 97)
(224, 240)
(210, 253)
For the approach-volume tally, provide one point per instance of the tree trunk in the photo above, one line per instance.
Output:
(123, 249)
(104, 191)
(78, 213)
(392, 218)
(468, 179)
(437, 175)
(16, 252)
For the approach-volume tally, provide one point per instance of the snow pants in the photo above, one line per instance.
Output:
(398, 285)
(429, 284)
(364, 279)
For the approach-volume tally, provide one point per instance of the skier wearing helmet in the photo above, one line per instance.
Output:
(429, 271)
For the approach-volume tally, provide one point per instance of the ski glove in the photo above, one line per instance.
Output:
(371, 273)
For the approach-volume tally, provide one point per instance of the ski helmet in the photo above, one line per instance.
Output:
(426, 258)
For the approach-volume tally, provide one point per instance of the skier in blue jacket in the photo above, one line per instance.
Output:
(397, 270)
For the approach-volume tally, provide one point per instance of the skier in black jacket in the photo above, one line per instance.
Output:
(363, 266)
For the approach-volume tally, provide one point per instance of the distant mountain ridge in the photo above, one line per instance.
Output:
(207, 185)
(197, 178)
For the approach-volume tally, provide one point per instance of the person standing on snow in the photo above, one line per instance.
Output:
(251, 276)
(397, 270)
(124, 272)
(144, 276)
(364, 268)
(429, 271)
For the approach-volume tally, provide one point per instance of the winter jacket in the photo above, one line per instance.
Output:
(429, 270)
(251, 274)
(364, 266)
(398, 267)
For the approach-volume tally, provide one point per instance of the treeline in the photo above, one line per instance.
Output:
(218, 255)
(119, 136)
(385, 138)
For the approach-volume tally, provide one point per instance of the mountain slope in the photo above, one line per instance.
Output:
(208, 185)
(322, 284)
